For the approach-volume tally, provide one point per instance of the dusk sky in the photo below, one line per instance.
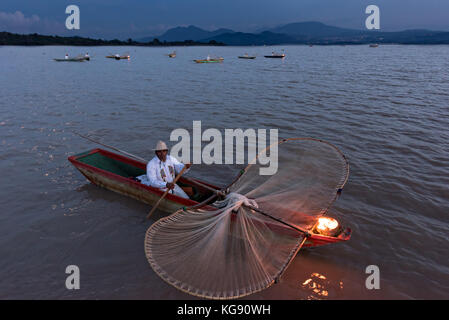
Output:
(140, 18)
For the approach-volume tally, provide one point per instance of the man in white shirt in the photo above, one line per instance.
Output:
(162, 170)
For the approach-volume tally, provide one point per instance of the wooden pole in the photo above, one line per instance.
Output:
(166, 192)
(305, 232)
(111, 147)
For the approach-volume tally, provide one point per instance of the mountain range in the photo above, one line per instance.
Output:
(187, 33)
(302, 33)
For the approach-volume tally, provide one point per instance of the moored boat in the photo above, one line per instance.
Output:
(118, 173)
(210, 59)
(373, 45)
(119, 57)
(276, 55)
(77, 59)
(246, 56)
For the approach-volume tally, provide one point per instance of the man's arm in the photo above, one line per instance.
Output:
(179, 166)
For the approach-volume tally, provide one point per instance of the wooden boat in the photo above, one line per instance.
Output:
(276, 55)
(118, 57)
(172, 55)
(209, 60)
(77, 59)
(246, 56)
(373, 45)
(117, 173)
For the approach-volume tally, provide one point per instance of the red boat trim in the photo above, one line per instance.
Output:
(74, 160)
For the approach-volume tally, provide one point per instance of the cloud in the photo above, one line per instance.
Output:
(17, 19)
(19, 23)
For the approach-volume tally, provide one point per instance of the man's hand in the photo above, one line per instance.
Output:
(170, 185)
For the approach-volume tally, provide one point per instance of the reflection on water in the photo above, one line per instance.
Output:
(320, 288)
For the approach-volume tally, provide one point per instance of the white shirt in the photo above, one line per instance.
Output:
(159, 173)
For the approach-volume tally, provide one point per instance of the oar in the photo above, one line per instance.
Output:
(166, 192)
(111, 147)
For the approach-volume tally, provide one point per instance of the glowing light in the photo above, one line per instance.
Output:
(327, 224)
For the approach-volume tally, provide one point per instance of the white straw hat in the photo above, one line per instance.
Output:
(160, 146)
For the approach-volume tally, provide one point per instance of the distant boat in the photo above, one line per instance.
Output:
(209, 60)
(118, 57)
(172, 55)
(276, 55)
(373, 45)
(76, 59)
(246, 56)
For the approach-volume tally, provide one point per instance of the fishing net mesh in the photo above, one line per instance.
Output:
(231, 250)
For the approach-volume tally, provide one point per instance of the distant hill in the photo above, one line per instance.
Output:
(313, 30)
(292, 33)
(12, 39)
(251, 39)
(187, 33)
(319, 33)
(409, 37)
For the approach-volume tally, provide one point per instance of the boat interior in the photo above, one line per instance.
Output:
(130, 169)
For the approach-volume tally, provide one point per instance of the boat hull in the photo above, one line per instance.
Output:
(118, 58)
(209, 61)
(127, 186)
(71, 60)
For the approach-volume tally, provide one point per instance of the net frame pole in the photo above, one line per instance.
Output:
(305, 232)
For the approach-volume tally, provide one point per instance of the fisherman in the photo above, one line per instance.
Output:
(66, 56)
(162, 170)
(86, 56)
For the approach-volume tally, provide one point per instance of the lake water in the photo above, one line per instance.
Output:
(386, 108)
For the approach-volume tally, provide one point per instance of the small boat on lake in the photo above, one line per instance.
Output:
(79, 58)
(172, 55)
(246, 56)
(276, 55)
(118, 173)
(71, 60)
(210, 60)
(373, 45)
(119, 57)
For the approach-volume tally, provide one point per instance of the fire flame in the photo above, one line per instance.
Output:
(327, 224)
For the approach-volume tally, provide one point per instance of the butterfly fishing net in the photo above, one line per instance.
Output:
(243, 243)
